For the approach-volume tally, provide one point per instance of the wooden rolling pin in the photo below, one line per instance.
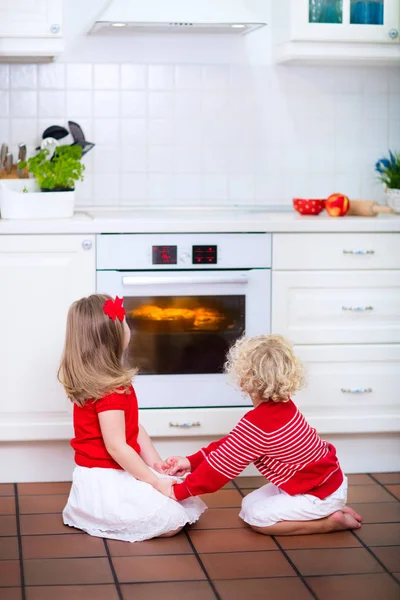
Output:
(367, 208)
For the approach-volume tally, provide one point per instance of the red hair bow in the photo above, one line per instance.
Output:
(114, 309)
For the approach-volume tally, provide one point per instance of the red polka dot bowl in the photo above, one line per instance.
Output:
(308, 206)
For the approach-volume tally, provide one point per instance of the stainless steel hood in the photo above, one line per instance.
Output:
(127, 17)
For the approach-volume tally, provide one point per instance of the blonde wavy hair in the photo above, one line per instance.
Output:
(265, 367)
(92, 361)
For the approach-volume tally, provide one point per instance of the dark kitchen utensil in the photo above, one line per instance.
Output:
(8, 164)
(54, 131)
(3, 154)
(21, 157)
(79, 137)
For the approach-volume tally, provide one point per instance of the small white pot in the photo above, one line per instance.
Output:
(393, 199)
(16, 204)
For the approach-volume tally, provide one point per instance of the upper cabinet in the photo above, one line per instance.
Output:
(30, 30)
(307, 31)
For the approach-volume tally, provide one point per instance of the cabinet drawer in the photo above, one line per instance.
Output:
(292, 251)
(351, 388)
(342, 307)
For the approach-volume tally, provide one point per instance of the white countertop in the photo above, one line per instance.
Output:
(192, 220)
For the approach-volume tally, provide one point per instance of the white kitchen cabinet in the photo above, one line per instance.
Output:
(40, 276)
(337, 307)
(346, 30)
(351, 389)
(30, 30)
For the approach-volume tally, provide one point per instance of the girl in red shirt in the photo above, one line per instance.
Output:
(307, 491)
(116, 492)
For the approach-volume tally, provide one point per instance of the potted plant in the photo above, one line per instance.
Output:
(389, 174)
(55, 174)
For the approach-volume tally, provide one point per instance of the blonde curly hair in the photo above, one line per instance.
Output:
(265, 367)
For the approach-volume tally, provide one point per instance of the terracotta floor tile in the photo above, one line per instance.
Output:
(230, 540)
(178, 544)
(9, 548)
(362, 587)
(193, 590)
(72, 592)
(334, 562)
(219, 518)
(30, 505)
(341, 539)
(37, 524)
(281, 588)
(65, 571)
(9, 573)
(360, 479)
(251, 482)
(397, 575)
(61, 546)
(8, 525)
(378, 512)
(387, 477)
(389, 555)
(368, 493)
(223, 498)
(382, 534)
(6, 489)
(246, 565)
(11, 593)
(183, 567)
(7, 505)
(394, 489)
(40, 489)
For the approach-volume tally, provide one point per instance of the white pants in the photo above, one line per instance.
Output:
(269, 505)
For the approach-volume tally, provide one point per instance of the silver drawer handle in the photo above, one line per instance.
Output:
(358, 308)
(356, 390)
(359, 252)
(185, 425)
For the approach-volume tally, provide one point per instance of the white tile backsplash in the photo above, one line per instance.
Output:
(210, 133)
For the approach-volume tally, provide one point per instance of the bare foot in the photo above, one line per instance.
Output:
(343, 520)
(353, 513)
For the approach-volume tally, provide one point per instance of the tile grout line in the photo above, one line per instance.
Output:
(21, 559)
(113, 571)
(382, 486)
(368, 549)
(295, 569)
(210, 581)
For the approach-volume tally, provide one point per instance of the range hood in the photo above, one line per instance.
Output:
(126, 17)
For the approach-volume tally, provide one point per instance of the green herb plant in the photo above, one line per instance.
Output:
(61, 171)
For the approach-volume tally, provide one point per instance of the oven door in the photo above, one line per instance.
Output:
(182, 325)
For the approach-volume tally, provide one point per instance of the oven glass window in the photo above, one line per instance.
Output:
(184, 334)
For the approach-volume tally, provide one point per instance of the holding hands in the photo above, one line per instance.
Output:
(174, 466)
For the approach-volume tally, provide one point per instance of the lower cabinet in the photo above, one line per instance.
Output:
(40, 276)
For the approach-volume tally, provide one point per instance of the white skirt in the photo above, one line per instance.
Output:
(110, 503)
(269, 505)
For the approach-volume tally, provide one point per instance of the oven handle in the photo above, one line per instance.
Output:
(191, 279)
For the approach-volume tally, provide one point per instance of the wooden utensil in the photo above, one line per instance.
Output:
(367, 208)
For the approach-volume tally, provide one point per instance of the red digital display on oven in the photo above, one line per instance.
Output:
(165, 255)
(204, 255)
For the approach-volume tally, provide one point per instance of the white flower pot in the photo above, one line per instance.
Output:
(16, 204)
(393, 199)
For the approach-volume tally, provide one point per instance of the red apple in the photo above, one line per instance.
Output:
(337, 205)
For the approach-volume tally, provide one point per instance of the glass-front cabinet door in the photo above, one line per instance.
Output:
(346, 20)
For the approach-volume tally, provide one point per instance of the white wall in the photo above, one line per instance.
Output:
(204, 120)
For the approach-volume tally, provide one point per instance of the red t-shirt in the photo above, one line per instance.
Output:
(90, 450)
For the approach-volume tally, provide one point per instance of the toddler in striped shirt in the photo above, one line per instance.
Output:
(307, 490)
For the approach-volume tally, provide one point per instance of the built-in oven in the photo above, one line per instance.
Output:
(188, 298)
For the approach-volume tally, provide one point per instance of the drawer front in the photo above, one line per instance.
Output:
(340, 307)
(292, 251)
(351, 388)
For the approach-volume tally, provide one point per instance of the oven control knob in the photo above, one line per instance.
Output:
(184, 257)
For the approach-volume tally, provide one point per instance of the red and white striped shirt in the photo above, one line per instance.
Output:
(282, 445)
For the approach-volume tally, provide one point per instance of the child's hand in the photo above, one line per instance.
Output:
(165, 486)
(176, 465)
